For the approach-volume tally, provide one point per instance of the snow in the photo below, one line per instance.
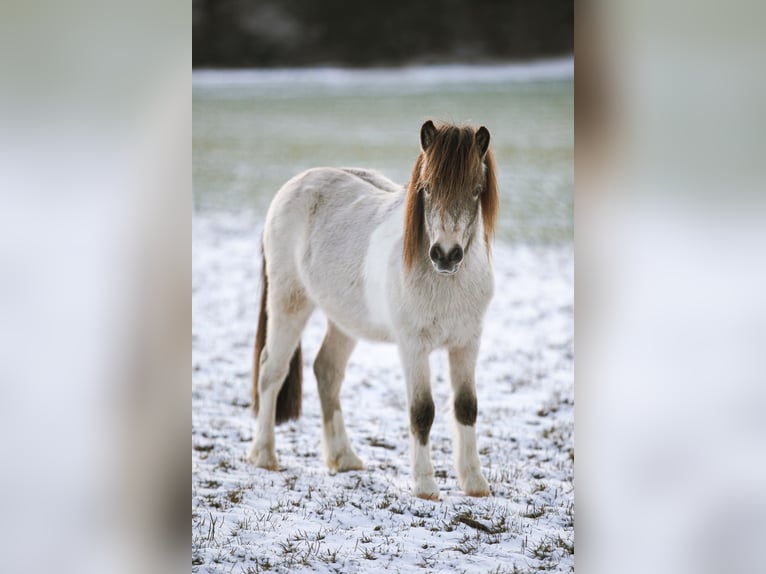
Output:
(246, 519)
(410, 77)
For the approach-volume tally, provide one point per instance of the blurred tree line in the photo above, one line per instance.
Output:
(262, 33)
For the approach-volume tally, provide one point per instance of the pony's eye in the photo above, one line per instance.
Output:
(477, 192)
(426, 191)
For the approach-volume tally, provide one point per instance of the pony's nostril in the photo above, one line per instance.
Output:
(456, 255)
(436, 253)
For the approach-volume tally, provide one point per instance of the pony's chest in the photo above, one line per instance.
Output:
(450, 315)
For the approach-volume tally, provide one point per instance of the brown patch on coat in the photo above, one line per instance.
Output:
(465, 406)
(421, 419)
(315, 206)
(294, 302)
(455, 163)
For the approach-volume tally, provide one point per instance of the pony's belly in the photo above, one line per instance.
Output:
(360, 329)
(348, 309)
(371, 332)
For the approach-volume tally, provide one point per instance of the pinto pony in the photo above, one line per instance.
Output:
(403, 264)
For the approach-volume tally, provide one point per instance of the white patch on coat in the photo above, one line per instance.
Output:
(421, 460)
(262, 452)
(339, 454)
(467, 462)
(376, 266)
(465, 449)
(336, 440)
(423, 483)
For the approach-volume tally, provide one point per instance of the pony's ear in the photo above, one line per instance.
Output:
(413, 217)
(427, 134)
(482, 140)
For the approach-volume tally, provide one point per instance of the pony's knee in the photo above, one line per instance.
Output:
(421, 418)
(465, 406)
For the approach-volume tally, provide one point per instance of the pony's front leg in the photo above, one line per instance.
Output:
(418, 377)
(462, 363)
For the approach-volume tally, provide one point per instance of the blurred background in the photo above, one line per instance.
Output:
(280, 87)
(255, 129)
(269, 33)
(670, 282)
(94, 184)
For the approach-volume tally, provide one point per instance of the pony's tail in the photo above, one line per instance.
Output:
(289, 398)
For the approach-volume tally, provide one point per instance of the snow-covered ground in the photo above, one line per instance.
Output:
(301, 518)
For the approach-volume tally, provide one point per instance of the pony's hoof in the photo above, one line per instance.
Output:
(426, 489)
(345, 462)
(475, 485)
(262, 458)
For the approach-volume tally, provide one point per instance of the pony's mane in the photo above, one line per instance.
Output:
(449, 165)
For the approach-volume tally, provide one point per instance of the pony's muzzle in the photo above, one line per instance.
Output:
(446, 261)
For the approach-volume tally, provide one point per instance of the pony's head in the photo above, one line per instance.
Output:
(452, 184)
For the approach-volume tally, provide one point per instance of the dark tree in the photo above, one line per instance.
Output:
(262, 33)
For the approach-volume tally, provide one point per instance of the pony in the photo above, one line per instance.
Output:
(409, 265)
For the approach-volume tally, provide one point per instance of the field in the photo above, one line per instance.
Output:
(251, 132)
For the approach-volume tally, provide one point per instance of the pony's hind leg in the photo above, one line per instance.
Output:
(462, 362)
(288, 313)
(330, 368)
